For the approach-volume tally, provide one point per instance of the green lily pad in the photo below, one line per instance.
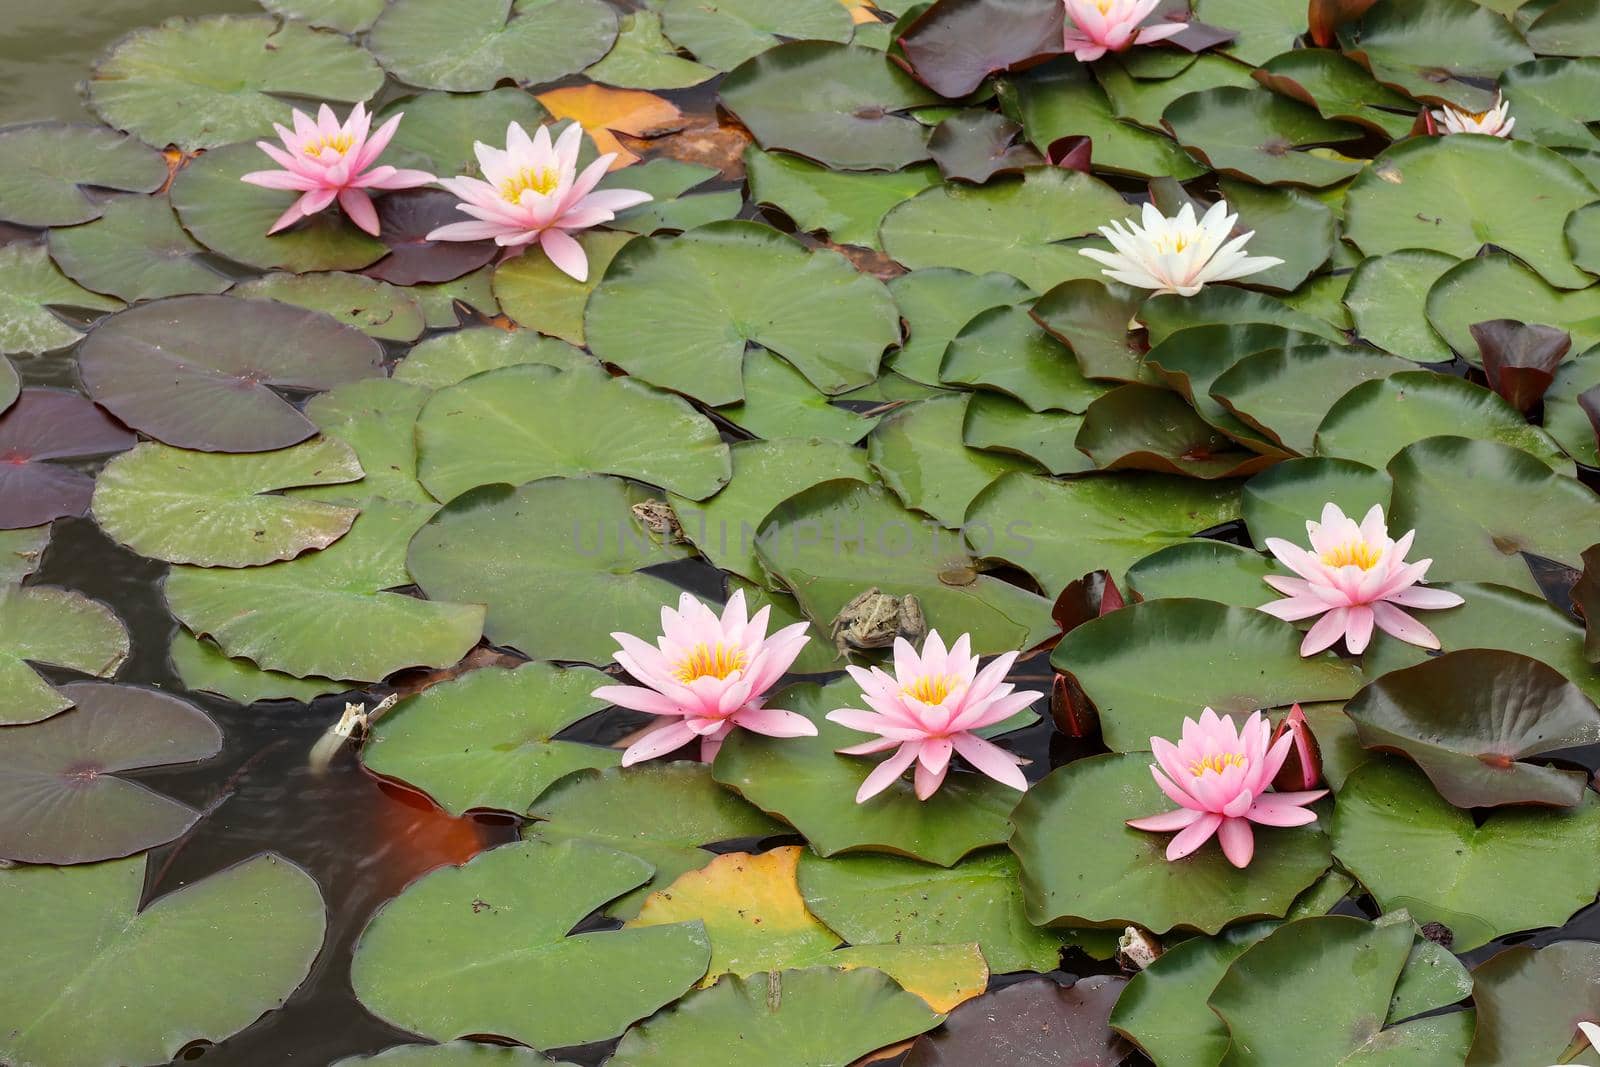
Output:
(835, 540)
(1376, 419)
(522, 423)
(678, 312)
(80, 952)
(1023, 228)
(440, 128)
(203, 667)
(1320, 988)
(804, 782)
(1142, 100)
(346, 16)
(456, 951)
(221, 510)
(874, 900)
(643, 58)
(1399, 43)
(1583, 237)
(1279, 501)
(470, 45)
(919, 454)
(204, 82)
(1340, 89)
(1104, 523)
(327, 613)
(935, 304)
(1204, 570)
(1457, 194)
(1149, 666)
(232, 218)
(1468, 718)
(1520, 868)
(485, 740)
(674, 207)
(999, 424)
(450, 358)
(840, 105)
(375, 417)
(579, 545)
(1476, 504)
(1554, 101)
(1563, 28)
(1226, 305)
(63, 801)
(1146, 427)
(1496, 286)
(725, 34)
(765, 474)
(1286, 393)
(1564, 419)
(454, 1054)
(799, 1018)
(659, 812)
(779, 402)
(1264, 27)
(45, 169)
(1530, 1001)
(1092, 318)
(58, 628)
(848, 205)
(444, 303)
(538, 295)
(20, 552)
(1260, 137)
(135, 251)
(10, 384)
(1088, 868)
(1388, 298)
(30, 285)
(1005, 349)
(376, 308)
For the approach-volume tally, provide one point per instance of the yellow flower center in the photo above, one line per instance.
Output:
(339, 142)
(1173, 244)
(711, 661)
(1353, 553)
(1217, 763)
(932, 689)
(542, 182)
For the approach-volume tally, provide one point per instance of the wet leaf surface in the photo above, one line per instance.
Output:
(40, 434)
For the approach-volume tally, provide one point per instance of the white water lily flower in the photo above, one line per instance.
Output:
(1496, 122)
(1178, 255)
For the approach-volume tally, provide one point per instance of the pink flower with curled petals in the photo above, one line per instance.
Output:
(532, 193)
(1356, 578)
(1095, 27)
(326, 161)
(928, 710)
(1219, 777)
(708, 675)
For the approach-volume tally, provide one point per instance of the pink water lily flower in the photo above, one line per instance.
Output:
(1219, 777)
(928, 709)
(532, 193)
(709, 675)
(1095, 27)
(1355, 577)
(326, 161)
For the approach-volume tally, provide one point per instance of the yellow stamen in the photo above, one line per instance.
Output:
(932, 689)
(1218, 763)
(713, 661)
(340, 142)
(1357, 553)
(542, 182)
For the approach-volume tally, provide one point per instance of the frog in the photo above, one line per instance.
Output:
(658, 517)
(875, 618)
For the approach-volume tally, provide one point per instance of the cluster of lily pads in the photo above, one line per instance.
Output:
(1104, 331)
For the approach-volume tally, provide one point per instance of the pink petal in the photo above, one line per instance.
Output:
(1295, 608)
(774, 722)
(928, 782)
(1193, 836)
(279, 179)
(1419, 596)
(868, 748)
(294, 214)
(467, 231)
(359, 207)
(1152, 34)
(566, 254)
(615, 199)
(637, 698)
(376, 143)
(1391, 620)
(1283, 809)
(1238, 841)
(888, 772)
(1326, 633)
(1240, 804)
(991, 760)
(669, 738)
(1358, 629)
(1168, 821)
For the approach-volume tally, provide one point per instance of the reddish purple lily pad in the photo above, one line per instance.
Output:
(205, 372)
(1520, 360)
(60, 798)
(955, 44)
(406, 219)
(1036, 1023)
(45, 425)
(974, 146)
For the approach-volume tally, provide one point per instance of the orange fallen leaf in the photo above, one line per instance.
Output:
(709, 140)
(861, 10)
(606, 112)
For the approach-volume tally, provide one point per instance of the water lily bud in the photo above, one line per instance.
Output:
(1303, 768)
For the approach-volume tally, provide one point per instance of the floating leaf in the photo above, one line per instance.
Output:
(1037, 1021)
(485, 740)
(1204, 570)
(848, 205)
(376, 308)
(1145, 427)
(918, 453)
(406, 218)
(1498, 286)
(1564, 28)
(935, 304)
(1260, 136)
(449, 358)
(779, 402)
(786, 1019)
(326, 613)
(1388, 298)
(1092, 318)
(1469, 718)
(80, 953)
(840, 105)
(135, 251)
(1082, 865)
(1286, 393)
(1000, 424)
(201, 371)
(522, 423)
(454, 1054)
(45, 170)
(678, 312)
(221, 510)
(643, 58)
(445, 304)
(604, 113)
(203, 667)
(661, 812)
(57, 628)
(976, 145)
(10, 384)
(1554, 100)
(346, 16)
(232, 218)
(440, 128)
(1340, 89)
(29, 286)
(1279, 501)
(1530, 1001)
(204, 82)
(674, 207)
(470, 45)
(726, 34)
(580, 546)
(503, 918)
(1263, 27)
(1138, 98)
(1005, 349)
(63, 801)
(374, 416)
(45, 425)
(1225, 305)
(1399, 43)
(536, 294)
(20, 551)
(1149, 666)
